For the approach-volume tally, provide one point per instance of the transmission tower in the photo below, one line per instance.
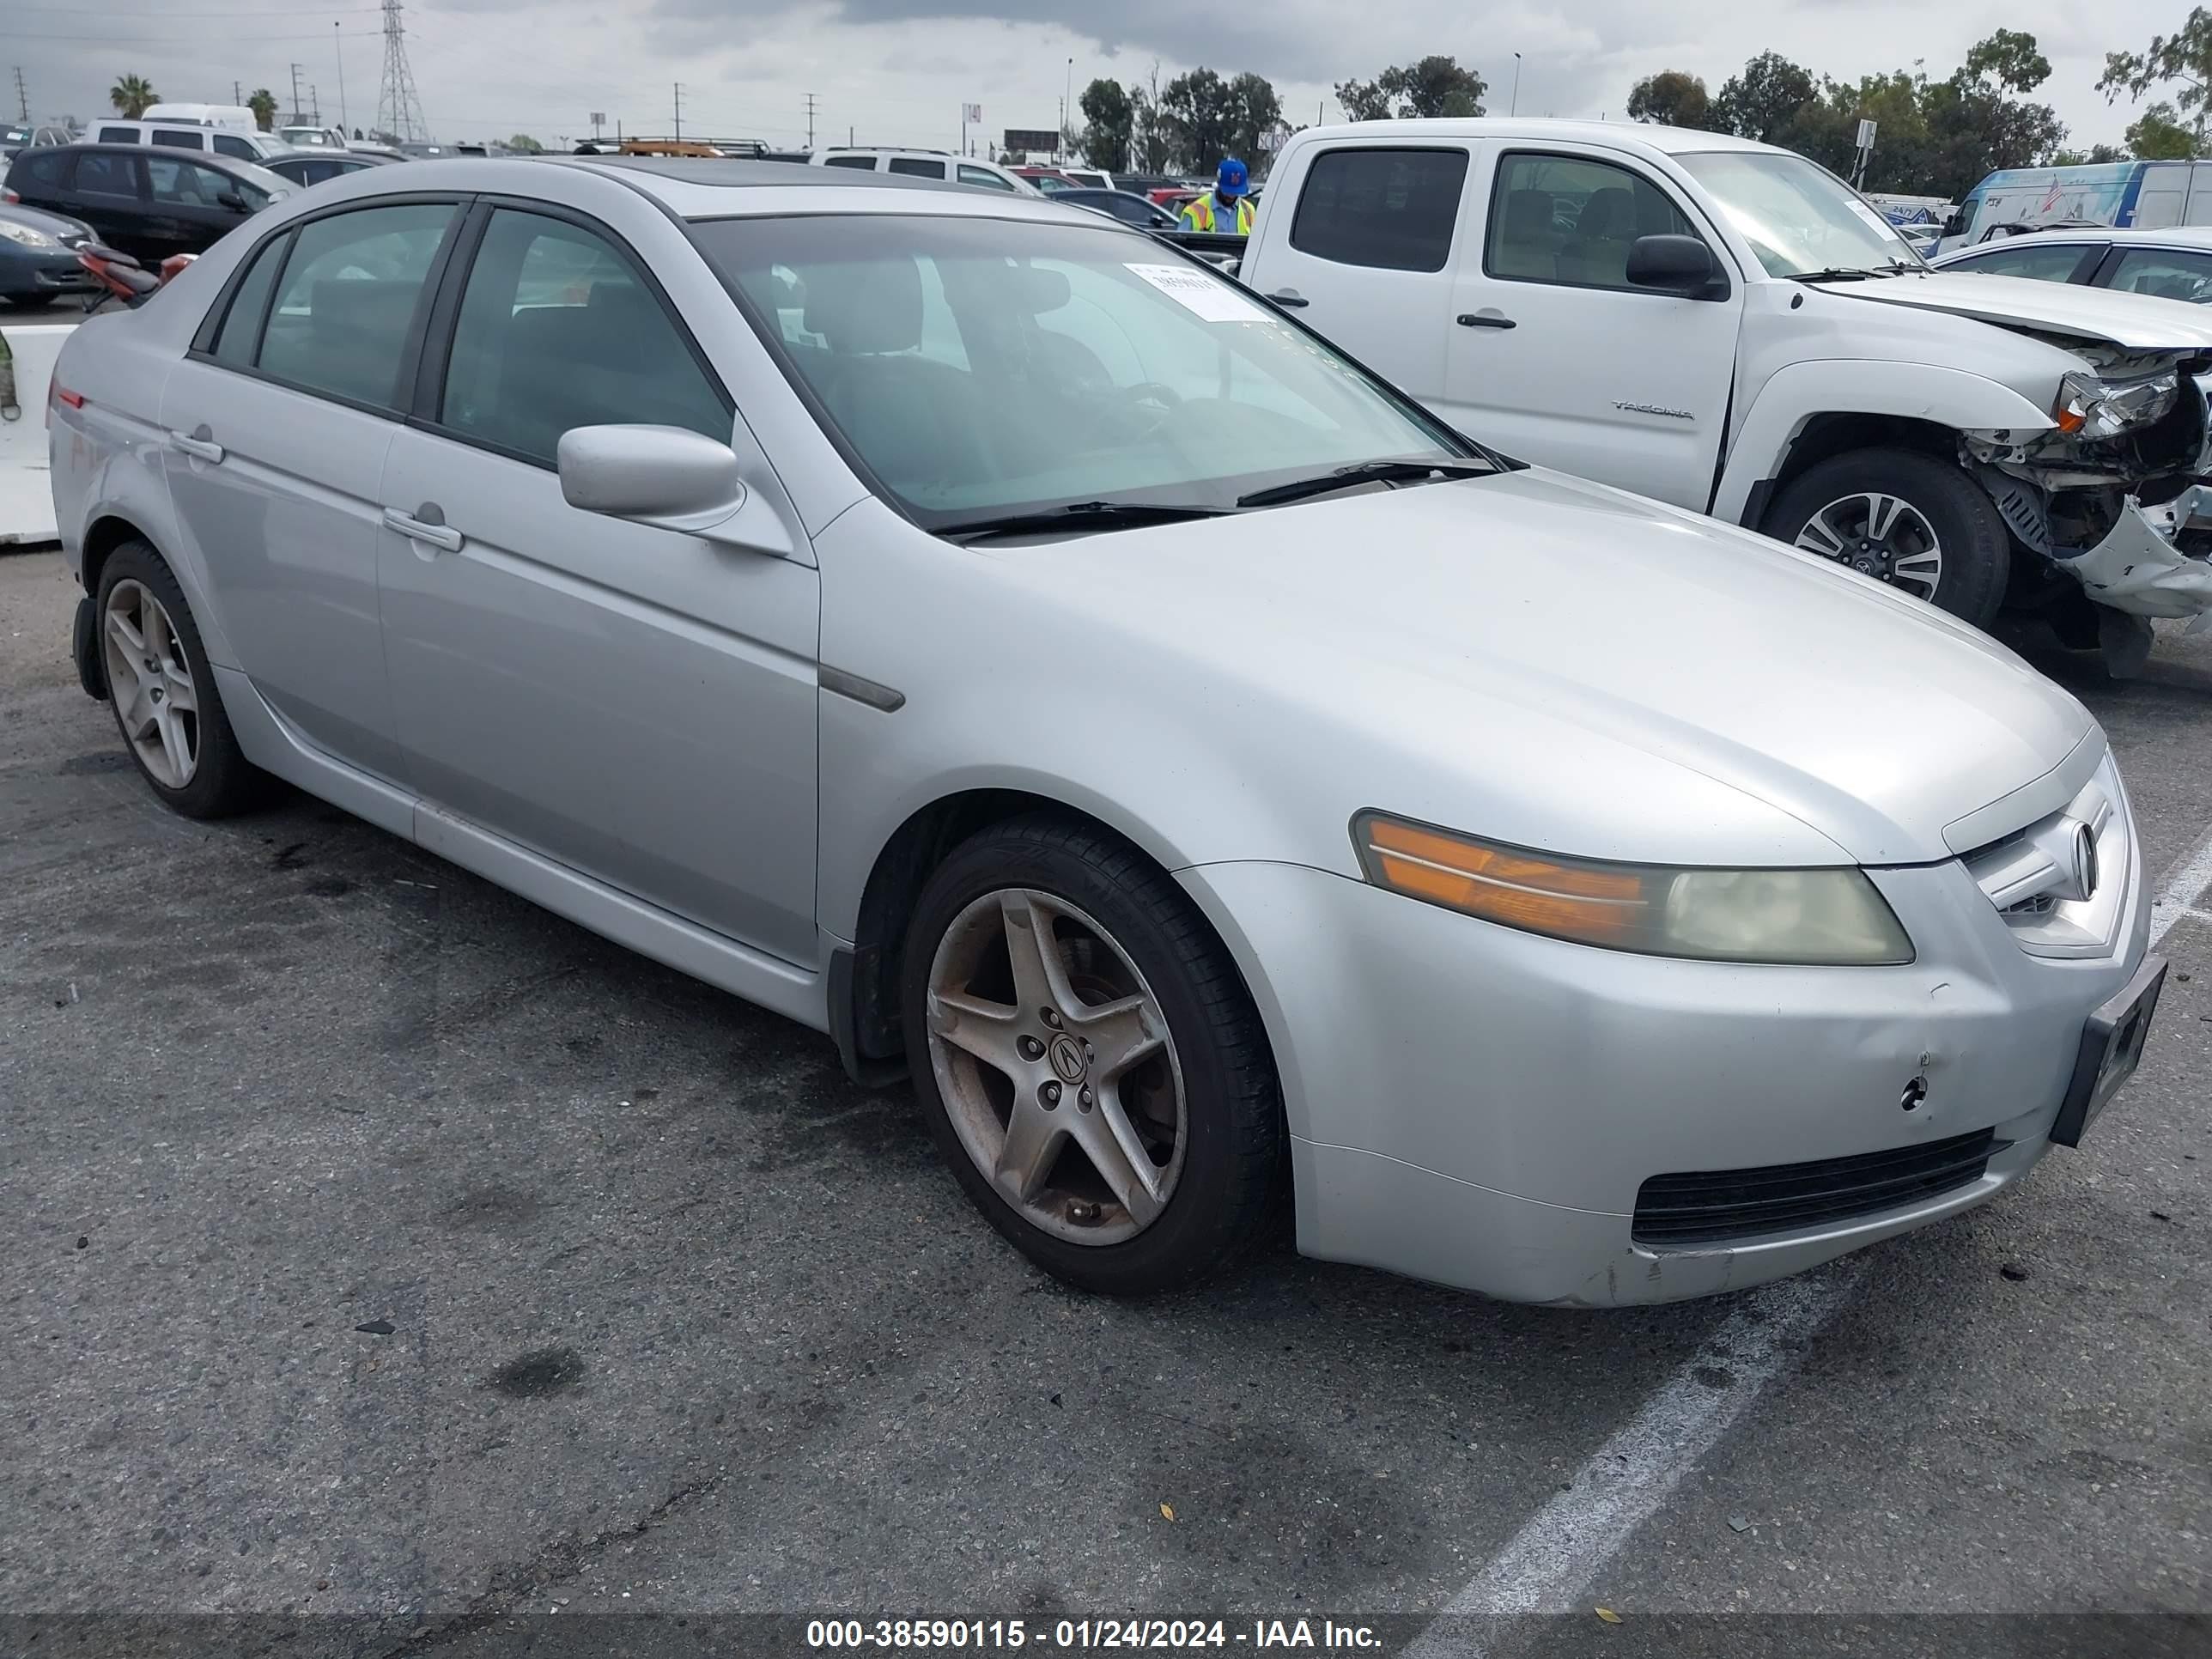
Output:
(22, 98)
(398, 109)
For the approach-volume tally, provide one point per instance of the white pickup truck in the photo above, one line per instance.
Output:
(1725, 327)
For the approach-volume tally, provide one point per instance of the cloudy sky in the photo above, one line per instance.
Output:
(897, 71)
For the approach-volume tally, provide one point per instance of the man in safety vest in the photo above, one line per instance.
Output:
(1228, 208)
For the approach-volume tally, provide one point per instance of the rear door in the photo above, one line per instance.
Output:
(279, 421)
(1367, 258)
(635, 703)
(184, 204)
(2164, 273)
(107, 191)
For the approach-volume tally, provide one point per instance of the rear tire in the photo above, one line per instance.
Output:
(1122, 1177)
(1909, 519)
(163, 693)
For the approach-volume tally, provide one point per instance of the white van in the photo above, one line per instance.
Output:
(249, 146)
(237, 117)
(926, 164)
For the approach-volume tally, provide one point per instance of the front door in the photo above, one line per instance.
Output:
(635, 703)
(184, 204)
(278, 424)
(1555, 358)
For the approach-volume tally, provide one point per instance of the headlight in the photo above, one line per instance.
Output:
(1828, 916)
(28, 235)
(2094, 408)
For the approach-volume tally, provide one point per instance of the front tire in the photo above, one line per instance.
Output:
(1909, 519)
(163, 692)
(1091, 1063)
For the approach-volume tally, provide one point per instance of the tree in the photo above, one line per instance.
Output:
(2158, 134)
(1106, 106)
(1435, 86)
(1253, 110)
(2008, 58)
(1670, 99)
(523, 144)
(2095, 155)
(2185, 56)
(1198, 109)
(263, 105)
(1764, 100)
(131, 94)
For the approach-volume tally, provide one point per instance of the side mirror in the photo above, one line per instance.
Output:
(1680, 265)
(666, 477)
(1955, 223)
(233, 201)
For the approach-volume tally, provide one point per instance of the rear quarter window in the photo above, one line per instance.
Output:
(1392, 210)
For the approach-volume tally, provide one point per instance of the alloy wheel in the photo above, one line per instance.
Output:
(151, 685)
(1878, 535)
(1056, 1066)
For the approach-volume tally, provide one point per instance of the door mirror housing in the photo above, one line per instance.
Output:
(233, 201)
(667, 476)
(1680, 265)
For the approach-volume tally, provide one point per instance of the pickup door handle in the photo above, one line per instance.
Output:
(197, 445)
(1290, 297)
(1483, 319)
(427, 525)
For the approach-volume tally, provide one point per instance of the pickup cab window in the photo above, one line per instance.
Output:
(1565, 219)
(1391, 208)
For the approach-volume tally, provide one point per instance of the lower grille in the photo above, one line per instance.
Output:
(1672, 1211)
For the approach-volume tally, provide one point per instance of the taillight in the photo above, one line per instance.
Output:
(74, 399)
(10, 197)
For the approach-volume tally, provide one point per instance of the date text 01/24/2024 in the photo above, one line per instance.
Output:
(1086, 1634)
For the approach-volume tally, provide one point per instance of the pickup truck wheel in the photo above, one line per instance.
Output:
(1089, 1061)
(1903, 517)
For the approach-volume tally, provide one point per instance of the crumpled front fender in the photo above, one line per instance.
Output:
(2137, 569)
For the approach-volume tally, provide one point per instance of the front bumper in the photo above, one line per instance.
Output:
(2140, 566)
(1481, 1106)
(29, 273)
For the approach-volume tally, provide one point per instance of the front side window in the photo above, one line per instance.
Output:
(985, 177)
(107, 175)
(2045, 262)
(176, 140)
(1566, 219)
(556, 330)
(976, 367)
(1390, 208)
(1800, 219)
(2166, 273)
(179, 184)
(346, 304)
(914, 167)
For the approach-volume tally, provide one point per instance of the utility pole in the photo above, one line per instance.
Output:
(314, 104)
(22, 98)
(237, 89)
(338, 36)
(810, 120)
(296, 95)
(1515, 108)
(679, 112)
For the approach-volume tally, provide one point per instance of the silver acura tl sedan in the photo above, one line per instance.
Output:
(966, 626)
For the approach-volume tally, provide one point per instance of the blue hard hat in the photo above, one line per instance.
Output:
(1232, 179)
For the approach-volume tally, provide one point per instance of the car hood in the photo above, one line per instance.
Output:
(2137, 322)
(58, 226)
(1540, 660)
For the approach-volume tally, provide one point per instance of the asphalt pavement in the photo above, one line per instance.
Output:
(388, 1266)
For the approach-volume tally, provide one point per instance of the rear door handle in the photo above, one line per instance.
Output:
(1483, 319)
(1290, 297)
(430, 528)
(198, 445)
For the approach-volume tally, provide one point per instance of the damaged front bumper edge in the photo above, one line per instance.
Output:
(2138, 569)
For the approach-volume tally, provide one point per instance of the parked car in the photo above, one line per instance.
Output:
(1128, 206)
(1724, 325)
(38, 256)
(927, 164)
(247, 146)
(314, 166)
(1050, 180)
(149, 204)
(312, 138)
(2173, 264)
(794, 702)
(1087, 178)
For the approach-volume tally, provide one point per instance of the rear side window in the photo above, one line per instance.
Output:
(866, 163)
(347, 300)
(2166, 273)
(556, 330)
(984, 177)
(107, 175)
(119, 135)
(1394, 210)
(916, 168)
(226, 145)
(2045, 262)
(177, 139)
(240, 334)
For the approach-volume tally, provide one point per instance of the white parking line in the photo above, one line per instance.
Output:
(1560, 1551)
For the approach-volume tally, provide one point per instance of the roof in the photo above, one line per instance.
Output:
(718, 189)
(2188, 236)
(206, 158)
(1619, 134)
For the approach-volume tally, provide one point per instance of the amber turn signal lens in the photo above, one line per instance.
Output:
(1518, 889)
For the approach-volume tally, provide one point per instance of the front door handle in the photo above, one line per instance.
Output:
(1483, 319)
(1290, 297)
(200, 445)
(426, 524)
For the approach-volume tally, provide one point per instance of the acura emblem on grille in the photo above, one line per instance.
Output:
(2085, 862)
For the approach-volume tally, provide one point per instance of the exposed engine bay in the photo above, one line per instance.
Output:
(2112, 495)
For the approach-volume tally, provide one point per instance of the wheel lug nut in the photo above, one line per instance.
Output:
(1051, 1017)
(1049, 1094)
(1031, 1049)
(1082, 1099)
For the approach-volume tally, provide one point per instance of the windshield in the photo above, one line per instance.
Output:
(1800, 219)
(984, 365)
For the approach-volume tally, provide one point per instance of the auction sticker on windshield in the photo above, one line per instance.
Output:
(1196, 292)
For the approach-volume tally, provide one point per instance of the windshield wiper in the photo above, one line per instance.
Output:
(1833, 274)
(1080, 516)
(1362, 473)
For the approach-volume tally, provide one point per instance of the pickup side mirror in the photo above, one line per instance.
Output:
(1680, 265)
(667, 476)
